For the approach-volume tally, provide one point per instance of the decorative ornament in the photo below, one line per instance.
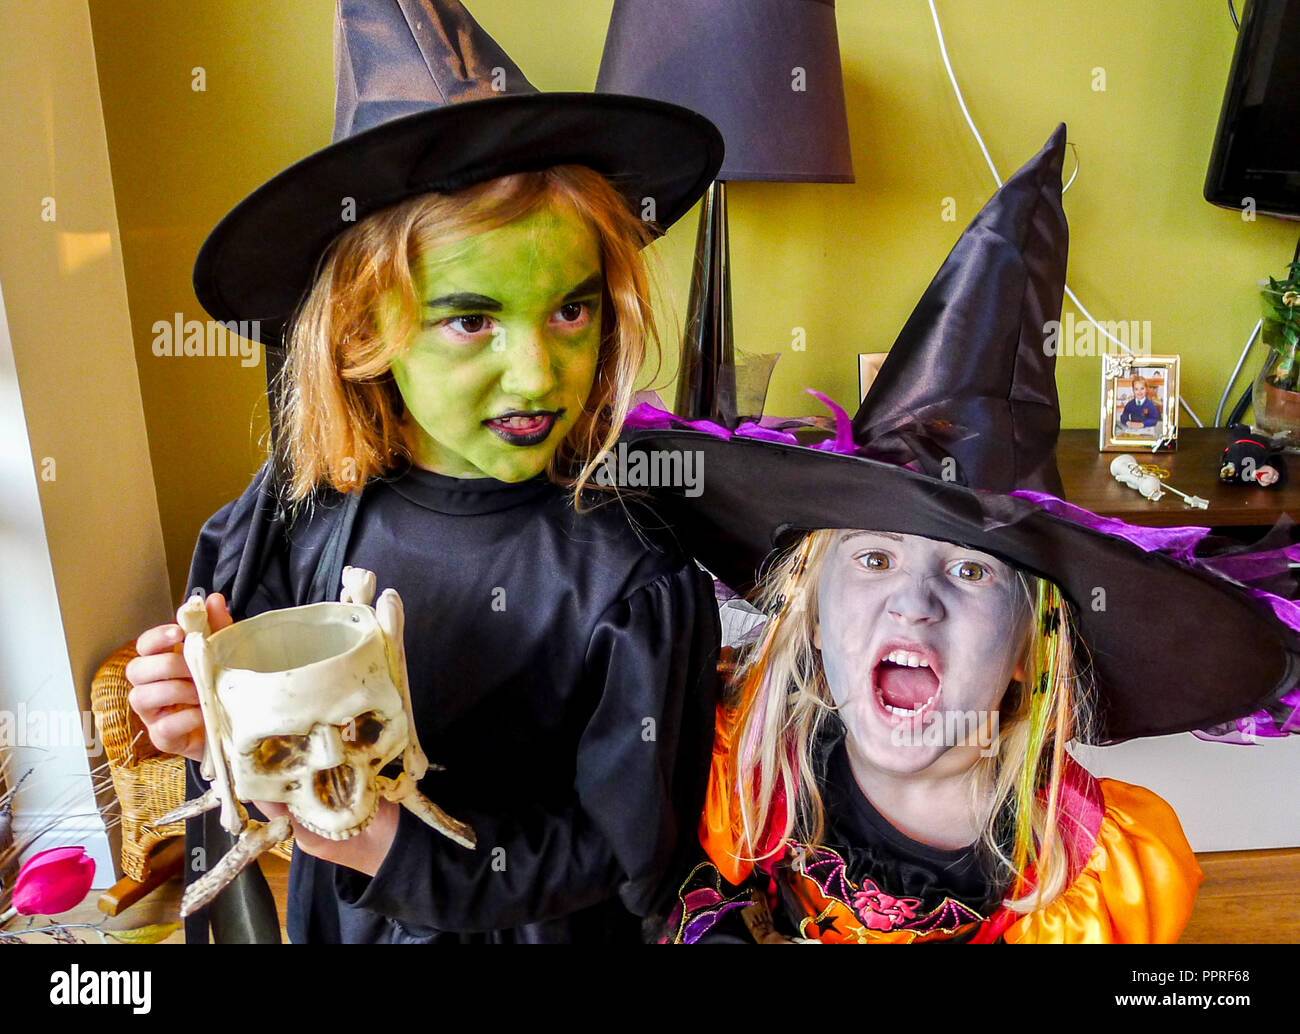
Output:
(1149, 480)
(1252, 459)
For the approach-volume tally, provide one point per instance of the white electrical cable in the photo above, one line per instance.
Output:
(952, 77)
(1241, 361)
(1070, 182)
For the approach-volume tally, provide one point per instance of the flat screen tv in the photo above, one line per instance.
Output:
(1257, 145)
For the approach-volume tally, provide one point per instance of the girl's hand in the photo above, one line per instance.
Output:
(164, 697)
(163, 693)
(364, 852)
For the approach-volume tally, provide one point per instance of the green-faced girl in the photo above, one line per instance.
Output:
(457, 360)
(493, 333)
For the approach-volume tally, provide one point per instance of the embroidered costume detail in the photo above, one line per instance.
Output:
(1138, 887)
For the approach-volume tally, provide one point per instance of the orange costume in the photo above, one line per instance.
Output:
(1133, 880)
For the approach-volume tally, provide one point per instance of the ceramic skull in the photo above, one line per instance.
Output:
(304, 707)
(312, 714)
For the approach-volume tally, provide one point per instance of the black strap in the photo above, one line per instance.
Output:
(327, 580)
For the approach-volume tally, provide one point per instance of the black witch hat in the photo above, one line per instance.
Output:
(967, 399)
(428, 102)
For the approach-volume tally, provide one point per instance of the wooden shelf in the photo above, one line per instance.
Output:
(1193, 469)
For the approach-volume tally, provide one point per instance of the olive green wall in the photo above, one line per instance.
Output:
(846, 263)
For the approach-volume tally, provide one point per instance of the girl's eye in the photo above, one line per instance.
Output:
(971, 571)
(876, 560)
(573, 312)
(457, 327)
(467, 324)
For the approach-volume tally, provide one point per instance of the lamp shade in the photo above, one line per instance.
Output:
(765, 72)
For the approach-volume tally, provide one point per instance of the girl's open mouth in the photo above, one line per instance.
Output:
(905, 681)
(523, 428)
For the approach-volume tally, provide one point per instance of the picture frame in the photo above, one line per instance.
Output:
(868, 367)
(1139, 403)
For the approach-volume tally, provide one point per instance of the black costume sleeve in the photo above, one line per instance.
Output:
(637, 794)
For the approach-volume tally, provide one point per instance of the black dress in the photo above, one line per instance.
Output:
(561, 669)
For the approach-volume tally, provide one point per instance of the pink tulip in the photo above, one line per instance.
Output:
(53, 881)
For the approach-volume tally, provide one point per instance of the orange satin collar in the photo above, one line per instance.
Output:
(1138, 887)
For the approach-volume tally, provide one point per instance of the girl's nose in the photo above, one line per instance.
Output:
(915, 601)
(529, 371)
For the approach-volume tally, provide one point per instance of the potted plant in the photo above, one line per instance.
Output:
(1276, 395)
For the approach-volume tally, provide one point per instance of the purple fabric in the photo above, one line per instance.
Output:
(1249, 568)
(646, 415)
(1278, 720)
(703, 923)
(1292, 703)
(1178, 542)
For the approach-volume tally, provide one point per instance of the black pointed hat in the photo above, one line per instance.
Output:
(426, 101)
(968, 392)
(967, 399)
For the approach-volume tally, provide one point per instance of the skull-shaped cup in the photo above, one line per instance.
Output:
(304, 707)
(311, 712)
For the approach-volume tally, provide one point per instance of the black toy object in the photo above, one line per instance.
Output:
(1251, 459)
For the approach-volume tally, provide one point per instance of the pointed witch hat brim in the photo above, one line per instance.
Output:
(1169, 647)
(427, 102)
(261, 258)
(967, 396)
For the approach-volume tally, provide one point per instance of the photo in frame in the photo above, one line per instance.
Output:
(1139, 403)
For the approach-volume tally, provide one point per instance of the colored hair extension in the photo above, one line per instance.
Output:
(1047, 693)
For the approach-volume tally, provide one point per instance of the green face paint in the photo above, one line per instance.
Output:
(505, 359)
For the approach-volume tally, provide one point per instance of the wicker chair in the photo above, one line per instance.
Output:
(148, 783)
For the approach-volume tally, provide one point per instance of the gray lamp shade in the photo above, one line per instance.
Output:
(765, 72)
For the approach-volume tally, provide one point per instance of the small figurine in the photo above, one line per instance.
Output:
(1149, 480)
(1252, 459)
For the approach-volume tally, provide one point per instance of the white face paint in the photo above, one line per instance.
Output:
(312, 712)
(912, 630)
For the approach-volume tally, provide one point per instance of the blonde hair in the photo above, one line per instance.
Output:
(784, 701)
(341, 408)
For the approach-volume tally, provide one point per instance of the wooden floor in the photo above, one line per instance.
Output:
(1247, 897)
